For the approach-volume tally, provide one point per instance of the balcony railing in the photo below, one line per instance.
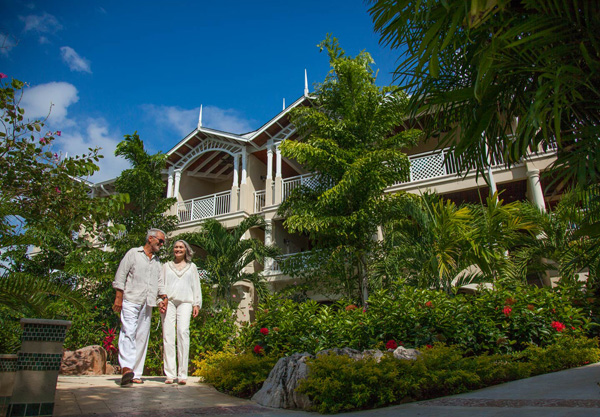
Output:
(204, 207)
(299, 260)
(438, 163)
(288, 184)
(260, 198)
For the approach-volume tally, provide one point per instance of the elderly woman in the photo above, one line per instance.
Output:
(185, 299)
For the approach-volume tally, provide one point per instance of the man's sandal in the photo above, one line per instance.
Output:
(127, 377)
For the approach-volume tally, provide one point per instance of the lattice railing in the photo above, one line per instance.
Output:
(260, 199)
(289, 184)
(204, 207)
(439, 163)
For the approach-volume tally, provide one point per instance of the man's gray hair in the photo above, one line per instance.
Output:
(188, 250)
(154, 232)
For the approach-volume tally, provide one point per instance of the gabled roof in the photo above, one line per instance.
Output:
(257, 139)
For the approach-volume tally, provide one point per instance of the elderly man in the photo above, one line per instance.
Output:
(138, 283)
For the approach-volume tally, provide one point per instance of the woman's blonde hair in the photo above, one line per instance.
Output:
(188, 250)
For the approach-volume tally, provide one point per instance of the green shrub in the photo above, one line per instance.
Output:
(567, 352)
(338, 383)
(503, 320)
(236, 374)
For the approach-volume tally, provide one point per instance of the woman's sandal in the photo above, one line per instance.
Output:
(137, 381)
(182, 382)
(168, 381)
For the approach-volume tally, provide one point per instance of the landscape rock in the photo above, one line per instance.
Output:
(279, 389)
(352, 353)
(90, 360)
(374, 353)
(401, 353)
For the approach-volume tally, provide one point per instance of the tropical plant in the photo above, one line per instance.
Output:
(48, 220)
(426, 243)
(350, 141)
(225, 254)
(478, 66)
(500, 79)
(143, 183)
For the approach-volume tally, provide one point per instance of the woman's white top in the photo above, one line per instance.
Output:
(183, 286)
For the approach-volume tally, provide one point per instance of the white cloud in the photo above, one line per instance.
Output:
(58, 95)
(74, 60)
(45, 23)
(44, 40)
(77, 135)
(183, 121)
(93, 133)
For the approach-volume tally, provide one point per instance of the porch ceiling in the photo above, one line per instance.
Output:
(212, 166)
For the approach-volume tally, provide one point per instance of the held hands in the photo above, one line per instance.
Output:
(162, 306)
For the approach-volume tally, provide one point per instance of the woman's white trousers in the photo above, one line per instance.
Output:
(176, 319)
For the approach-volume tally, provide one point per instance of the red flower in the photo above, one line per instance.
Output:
(429, 304)
(351, 307)
(507, 310)
(429, 346)
(391, 344)
(558, 326)
(264, 331)
(258, 349)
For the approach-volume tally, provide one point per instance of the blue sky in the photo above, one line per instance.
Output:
(113, 67)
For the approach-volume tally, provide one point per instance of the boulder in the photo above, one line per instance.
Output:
(90, 360)
(401, 353)
(279, 389)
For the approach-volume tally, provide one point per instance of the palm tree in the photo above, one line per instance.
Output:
(227, 253)
(427, 243)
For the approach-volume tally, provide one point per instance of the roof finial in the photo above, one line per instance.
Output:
(283, 104)
(200, 118)
(305, 84)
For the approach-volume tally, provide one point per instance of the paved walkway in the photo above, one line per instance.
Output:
(570, 393)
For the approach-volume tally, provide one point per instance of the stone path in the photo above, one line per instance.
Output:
(570, 393)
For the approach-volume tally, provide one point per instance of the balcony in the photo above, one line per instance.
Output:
(204, 207)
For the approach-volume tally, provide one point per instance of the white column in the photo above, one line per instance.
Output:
(492, 182)
(278, 180)
(278, 152)
(535, 188)
(234, 186)
(269, 179)
(244, 166)
(170, 183)
(176, 186)
(236, 167)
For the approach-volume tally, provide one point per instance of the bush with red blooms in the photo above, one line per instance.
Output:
(391, 344)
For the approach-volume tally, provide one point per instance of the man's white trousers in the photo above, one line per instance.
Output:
(134, 335)
(177, 317)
